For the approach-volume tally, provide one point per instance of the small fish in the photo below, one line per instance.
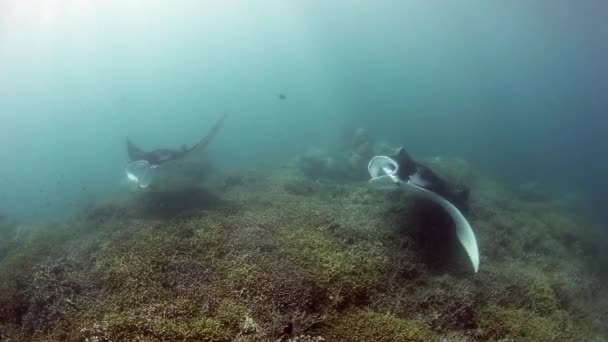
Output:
(282, 96)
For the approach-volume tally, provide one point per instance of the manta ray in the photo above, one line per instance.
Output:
(142, 163)
(402, 172)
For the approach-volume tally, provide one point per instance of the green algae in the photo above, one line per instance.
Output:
(366, 326)
(521, 325)
(275, 263)
(127, 327)
(541, 298)
(348, 276)
(239, 274)
(27, 248)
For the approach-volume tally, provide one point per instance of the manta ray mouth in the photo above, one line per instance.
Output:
(140, 173)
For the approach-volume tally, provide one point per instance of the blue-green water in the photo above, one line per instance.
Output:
(518, 87)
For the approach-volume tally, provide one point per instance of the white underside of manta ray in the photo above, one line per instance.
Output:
(140, 172)
(384, 176)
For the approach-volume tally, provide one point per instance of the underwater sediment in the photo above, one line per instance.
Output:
(281, 255)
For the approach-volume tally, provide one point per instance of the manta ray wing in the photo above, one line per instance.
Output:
(384, 170)
(203, 143)
(135, 153)
(464, 232)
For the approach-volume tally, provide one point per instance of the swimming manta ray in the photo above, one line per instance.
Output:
(402, 172)
(142, 163)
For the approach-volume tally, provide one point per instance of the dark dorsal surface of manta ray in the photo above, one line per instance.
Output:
(426, 178)
(402, 172)
(164, 155)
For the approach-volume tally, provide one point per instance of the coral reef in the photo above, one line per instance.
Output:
(348, 164)
(279, 255)
(163, 200)
(371, 326)
(8, 229)
(521, 325)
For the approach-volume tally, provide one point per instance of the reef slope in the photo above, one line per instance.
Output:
(267, 256)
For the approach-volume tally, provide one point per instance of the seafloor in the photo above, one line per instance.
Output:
(292, 255)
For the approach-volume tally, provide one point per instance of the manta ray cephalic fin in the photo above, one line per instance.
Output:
(140, 172)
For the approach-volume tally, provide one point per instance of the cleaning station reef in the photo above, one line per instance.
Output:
(303, 171)
(311, 251)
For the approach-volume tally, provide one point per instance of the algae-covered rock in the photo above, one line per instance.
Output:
(499, 324)
(163, 200)
(444, 303)
(364, 326)
(264, 258)
(299, 187)
(541, 298)
(347, 275)
(315, 164)
(348, 164)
